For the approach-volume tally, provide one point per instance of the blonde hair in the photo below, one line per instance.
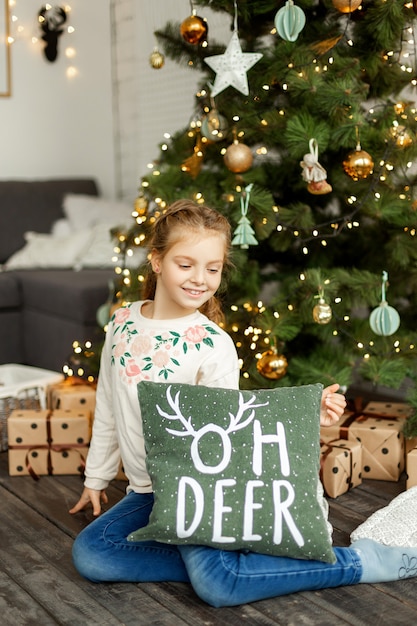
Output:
(171, 227)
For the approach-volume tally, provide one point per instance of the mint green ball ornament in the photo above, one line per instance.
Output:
(290, 21)
(384, 320)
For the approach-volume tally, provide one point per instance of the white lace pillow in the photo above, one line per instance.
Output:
(393, 525)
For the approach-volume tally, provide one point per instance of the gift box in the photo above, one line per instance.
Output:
(48, 442)
(382, 442)
(339, 429)
(340, 466)
(392, 409)
(411, 468)
(378, 427)
(72, 395)
(388, 409)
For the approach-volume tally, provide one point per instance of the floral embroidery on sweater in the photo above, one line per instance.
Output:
(138, 351)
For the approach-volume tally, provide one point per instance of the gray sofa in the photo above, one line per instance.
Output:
(42, 311)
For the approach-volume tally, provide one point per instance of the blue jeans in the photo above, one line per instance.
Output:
(101, 553)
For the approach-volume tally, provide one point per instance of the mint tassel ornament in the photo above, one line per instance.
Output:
(384, 320)
(244, 235)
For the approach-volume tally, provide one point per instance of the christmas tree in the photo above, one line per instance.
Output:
(304, 136)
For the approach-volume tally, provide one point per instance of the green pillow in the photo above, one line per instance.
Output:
(235, 470)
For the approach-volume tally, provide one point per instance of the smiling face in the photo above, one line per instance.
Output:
(189, 274)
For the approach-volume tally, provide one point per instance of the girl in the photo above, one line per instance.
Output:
(190, 250)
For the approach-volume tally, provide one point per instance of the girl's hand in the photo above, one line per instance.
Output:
(332, 405)
(93, 496)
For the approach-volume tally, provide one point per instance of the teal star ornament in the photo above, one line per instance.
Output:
(231, 67)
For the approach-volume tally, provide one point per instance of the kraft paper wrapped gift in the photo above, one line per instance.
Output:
(388, 409)
(48, 442)
(340, 466)
(392, 409)
(72, 395)
(382, 442)
(411, 468)
(335, 431)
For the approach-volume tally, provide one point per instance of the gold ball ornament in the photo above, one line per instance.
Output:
(322, 312)
(346, 6)
(401, 136)
(358, 164)
(156, 59)
(238, 157)
(141, 205)
(194, 29)
(272, 365)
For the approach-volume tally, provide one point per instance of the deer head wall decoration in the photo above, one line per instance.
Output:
(50, 21)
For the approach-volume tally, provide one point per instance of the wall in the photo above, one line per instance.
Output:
(53, 125)
(108, 120)
(150, 102)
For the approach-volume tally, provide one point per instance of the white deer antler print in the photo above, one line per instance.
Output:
(235, 420)
(235, 423)
(211, 429)
(174, 403)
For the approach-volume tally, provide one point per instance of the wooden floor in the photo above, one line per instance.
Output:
(39, 586)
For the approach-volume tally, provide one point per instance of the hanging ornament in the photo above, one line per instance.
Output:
(194, 29)
(322, 312)
(384, 320)
(141, 205)
(290, 21)
(214, 126)
(358, 164)
(399, 108)
(346, 6)
(321, 47)
(231, 67)
(193, 164)
(156, 59)
(401, 136)
(314, 173)
(244, 235)
(238, 157)
(272, 365)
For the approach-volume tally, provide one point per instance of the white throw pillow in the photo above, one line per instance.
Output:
(46, 251)
(100, 250)
(61, 228)
(84, 211)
